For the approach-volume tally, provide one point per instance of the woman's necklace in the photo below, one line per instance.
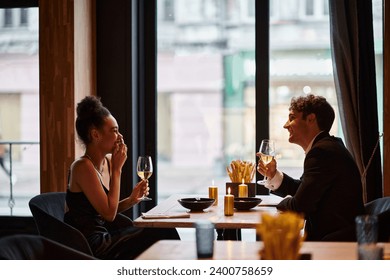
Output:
(94, 166)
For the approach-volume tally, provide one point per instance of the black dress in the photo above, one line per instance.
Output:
(118, 239)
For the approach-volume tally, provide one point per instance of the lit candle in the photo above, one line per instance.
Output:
(213, 193)
(243, 189)
(229, 204)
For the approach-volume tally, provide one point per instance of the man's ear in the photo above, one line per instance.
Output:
(311, 117)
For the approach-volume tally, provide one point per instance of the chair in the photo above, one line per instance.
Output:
(36, 247)
(10, 225)
(381, 208)
(48, 210)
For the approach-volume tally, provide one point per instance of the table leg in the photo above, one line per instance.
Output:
(228, 234)
(219, 234)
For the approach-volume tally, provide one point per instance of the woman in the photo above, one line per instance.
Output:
(93, 191)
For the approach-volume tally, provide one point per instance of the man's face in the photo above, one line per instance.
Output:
(297, 127)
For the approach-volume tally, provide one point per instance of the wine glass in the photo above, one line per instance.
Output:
(267, 153)
(144, 170)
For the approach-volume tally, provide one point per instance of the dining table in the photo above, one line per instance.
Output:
(170, 214)
(249, 250)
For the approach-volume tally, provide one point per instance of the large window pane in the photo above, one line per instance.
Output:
(377, 10)
(19, 108)
(206, 91)
(300, 63)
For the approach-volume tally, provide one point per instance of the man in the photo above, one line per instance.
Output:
(329, 192)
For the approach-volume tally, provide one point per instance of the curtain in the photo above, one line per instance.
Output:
(352, 45)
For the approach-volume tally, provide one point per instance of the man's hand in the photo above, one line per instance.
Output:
(268, 170)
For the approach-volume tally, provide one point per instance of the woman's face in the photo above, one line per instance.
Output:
(110, 134)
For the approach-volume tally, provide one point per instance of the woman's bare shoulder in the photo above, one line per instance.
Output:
(82, 174)
(82, 169)
(79, 163)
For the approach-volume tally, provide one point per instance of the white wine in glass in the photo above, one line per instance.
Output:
(267, 153)
(144, 175)
(144, 170)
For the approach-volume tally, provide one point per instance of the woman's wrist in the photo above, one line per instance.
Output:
(116, 172)
(126, 204)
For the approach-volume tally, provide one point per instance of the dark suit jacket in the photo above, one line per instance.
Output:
(329, 192)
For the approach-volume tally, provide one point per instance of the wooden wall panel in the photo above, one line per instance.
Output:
(85, 54)
(64, 74)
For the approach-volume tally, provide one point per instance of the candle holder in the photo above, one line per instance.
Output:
(228, 204)
(213, 193)
(234, 189)
(243, 190)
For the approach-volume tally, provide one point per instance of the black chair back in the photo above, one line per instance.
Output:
(48, 210)
(35, 247)
(381, 208)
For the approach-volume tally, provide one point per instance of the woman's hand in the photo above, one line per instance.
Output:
(141, 189)
(119, 154)
(268, 170)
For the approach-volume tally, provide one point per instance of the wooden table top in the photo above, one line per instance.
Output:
(240, 219)
(241, 250)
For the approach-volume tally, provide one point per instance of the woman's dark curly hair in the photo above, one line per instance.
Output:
(90, 114)
(317, 105)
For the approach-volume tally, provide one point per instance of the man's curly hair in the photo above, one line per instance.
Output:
(317, 105)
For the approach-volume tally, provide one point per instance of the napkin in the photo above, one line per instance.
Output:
(270, 200)
(165, 215)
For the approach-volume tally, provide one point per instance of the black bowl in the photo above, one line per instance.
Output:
(246, 203)
(196, 204)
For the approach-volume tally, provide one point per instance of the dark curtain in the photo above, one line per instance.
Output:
(352, 41)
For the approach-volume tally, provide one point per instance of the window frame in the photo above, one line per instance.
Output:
(4, 4)
(318, 11)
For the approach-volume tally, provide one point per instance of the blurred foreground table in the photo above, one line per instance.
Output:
(240, 250)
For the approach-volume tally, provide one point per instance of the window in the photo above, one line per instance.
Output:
(8, 20)
(206, 90)
(206, 87)
(300, 63)
(314, 9)
(250, 9)
(19, 109)
(247, 8)
(205, 94)
(273, 12)
(309, 8)
(23, 17)
(377, 10)
(168, 10)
